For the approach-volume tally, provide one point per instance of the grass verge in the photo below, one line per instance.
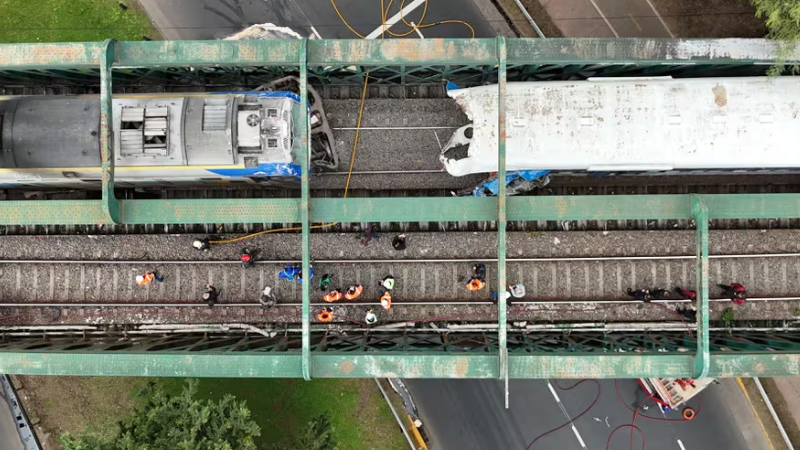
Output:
(73, 21)
(282, 407)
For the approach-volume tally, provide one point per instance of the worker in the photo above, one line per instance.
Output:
(475, 284)
(202, 245)
(325, 282)
(734, 291)
(517, 290)
(299, 275)
(479, 271)
(660, 294)
(267, 300)
(246, 258)
(210, 295)
(334, 295)
(353, 292)
(326, 315)
(289, 272)
(386, 300)
(687, 294)
(689, 313)
(399, 242)
(149, 277)
(370, 318)
(368, 235)
(387, 282)
(640, 294)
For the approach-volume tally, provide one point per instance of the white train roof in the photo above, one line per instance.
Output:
(633, 124)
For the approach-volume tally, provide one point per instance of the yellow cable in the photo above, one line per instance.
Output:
(384, 16)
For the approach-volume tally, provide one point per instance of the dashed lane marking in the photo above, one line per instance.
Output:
(564, 411)
(680, 444)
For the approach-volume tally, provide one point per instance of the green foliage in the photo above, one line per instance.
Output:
(728, 317)
(318, 435)
(782, 18)
(167, 422)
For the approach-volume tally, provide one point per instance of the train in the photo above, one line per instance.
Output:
(219, 138)
(597, 126)
(650, 126)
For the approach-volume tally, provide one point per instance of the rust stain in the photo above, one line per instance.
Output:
(720, 95)
(347, 367)
(462, 367)
(759, 368)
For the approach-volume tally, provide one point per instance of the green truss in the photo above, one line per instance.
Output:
(109, 64)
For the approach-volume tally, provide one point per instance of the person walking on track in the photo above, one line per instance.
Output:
(149, 277)
(475, 284)
(386, 300)
(369, 235)
(370, 318)
(353, 292)
(660, 294)
(399, 242)
(325, 282)
(202, 245)
(686, 294)
(210, 295)
(267, 300)
(479, 271)
(326, 315)
(246, 258)
(334, 295)
(387, 282)
(517, 290)
(734, 291)
(640, 294)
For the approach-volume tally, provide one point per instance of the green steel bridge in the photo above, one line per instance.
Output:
(104, 66)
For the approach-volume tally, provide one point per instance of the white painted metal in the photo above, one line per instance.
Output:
(634, 124)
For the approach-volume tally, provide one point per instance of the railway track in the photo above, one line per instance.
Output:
(429, 282)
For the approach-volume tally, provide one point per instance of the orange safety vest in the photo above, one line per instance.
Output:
(475, 284)
(386, 300)
(353, 292)
(333, 296)
(325, 316)
(146, 279)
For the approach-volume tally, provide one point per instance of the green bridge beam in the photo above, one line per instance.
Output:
(399, 364)
(419, 209)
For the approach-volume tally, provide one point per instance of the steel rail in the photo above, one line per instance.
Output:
(395, 303)
(408, 261)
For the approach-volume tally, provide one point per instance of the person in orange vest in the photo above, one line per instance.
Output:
(353, 292)
(326, 315)
(334, 295)
(149, 277)
(386, 300)
(475, 284)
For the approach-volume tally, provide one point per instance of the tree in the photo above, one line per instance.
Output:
(783, 22)
(782, 18)
(182, 422)
(318, 435)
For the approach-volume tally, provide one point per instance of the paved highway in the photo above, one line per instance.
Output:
(214, 19)
(470, 415)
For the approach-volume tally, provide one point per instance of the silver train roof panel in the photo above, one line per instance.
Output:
(633, 124)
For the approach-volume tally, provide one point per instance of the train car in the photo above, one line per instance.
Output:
(159, 139)
(631, 125)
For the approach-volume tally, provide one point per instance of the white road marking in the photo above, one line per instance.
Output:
(419, 33)
(660, 19)
(314, 30)
(597, 8)
(564, 411)
(681, 445)
(396, 18)
(578, 435)
(553, 391)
